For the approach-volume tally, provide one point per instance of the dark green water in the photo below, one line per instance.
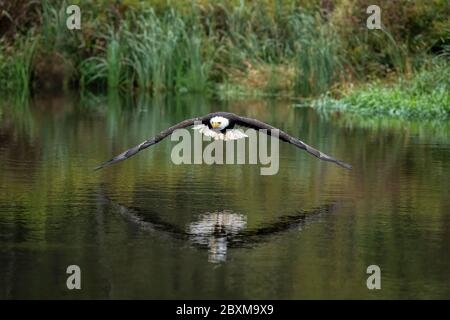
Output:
(147, 228)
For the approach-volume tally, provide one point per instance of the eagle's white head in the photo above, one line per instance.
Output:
(219, 123)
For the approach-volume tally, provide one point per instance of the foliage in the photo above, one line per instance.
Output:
(270, 47)
(426, 95)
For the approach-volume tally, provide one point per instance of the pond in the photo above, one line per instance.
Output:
(148, 228)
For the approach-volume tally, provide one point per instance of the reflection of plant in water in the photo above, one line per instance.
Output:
(17, 113)
(423, 129)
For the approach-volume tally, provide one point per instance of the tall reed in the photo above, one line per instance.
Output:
(20, 66)
(153, 54)
(317, 58)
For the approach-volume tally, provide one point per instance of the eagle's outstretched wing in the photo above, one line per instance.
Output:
(256, 124)
(243, 121)
(149, 142)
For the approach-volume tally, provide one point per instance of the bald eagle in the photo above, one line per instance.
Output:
(220, 126)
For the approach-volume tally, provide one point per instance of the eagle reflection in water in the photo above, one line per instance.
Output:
(218, 231)
(214, 229)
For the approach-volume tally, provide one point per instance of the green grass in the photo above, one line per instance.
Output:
(425, 96)
(269, 48)
(317, 58)
(16, 71)
(152, 53)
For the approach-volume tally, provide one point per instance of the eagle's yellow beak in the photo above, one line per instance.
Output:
(215, 125)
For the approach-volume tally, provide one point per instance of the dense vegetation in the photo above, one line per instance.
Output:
(425, 95)
(272, 47)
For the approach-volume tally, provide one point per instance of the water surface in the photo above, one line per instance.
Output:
(147, 228)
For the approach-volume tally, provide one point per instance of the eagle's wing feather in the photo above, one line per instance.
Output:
(242, 121)
(256, 124)
(149, 142)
